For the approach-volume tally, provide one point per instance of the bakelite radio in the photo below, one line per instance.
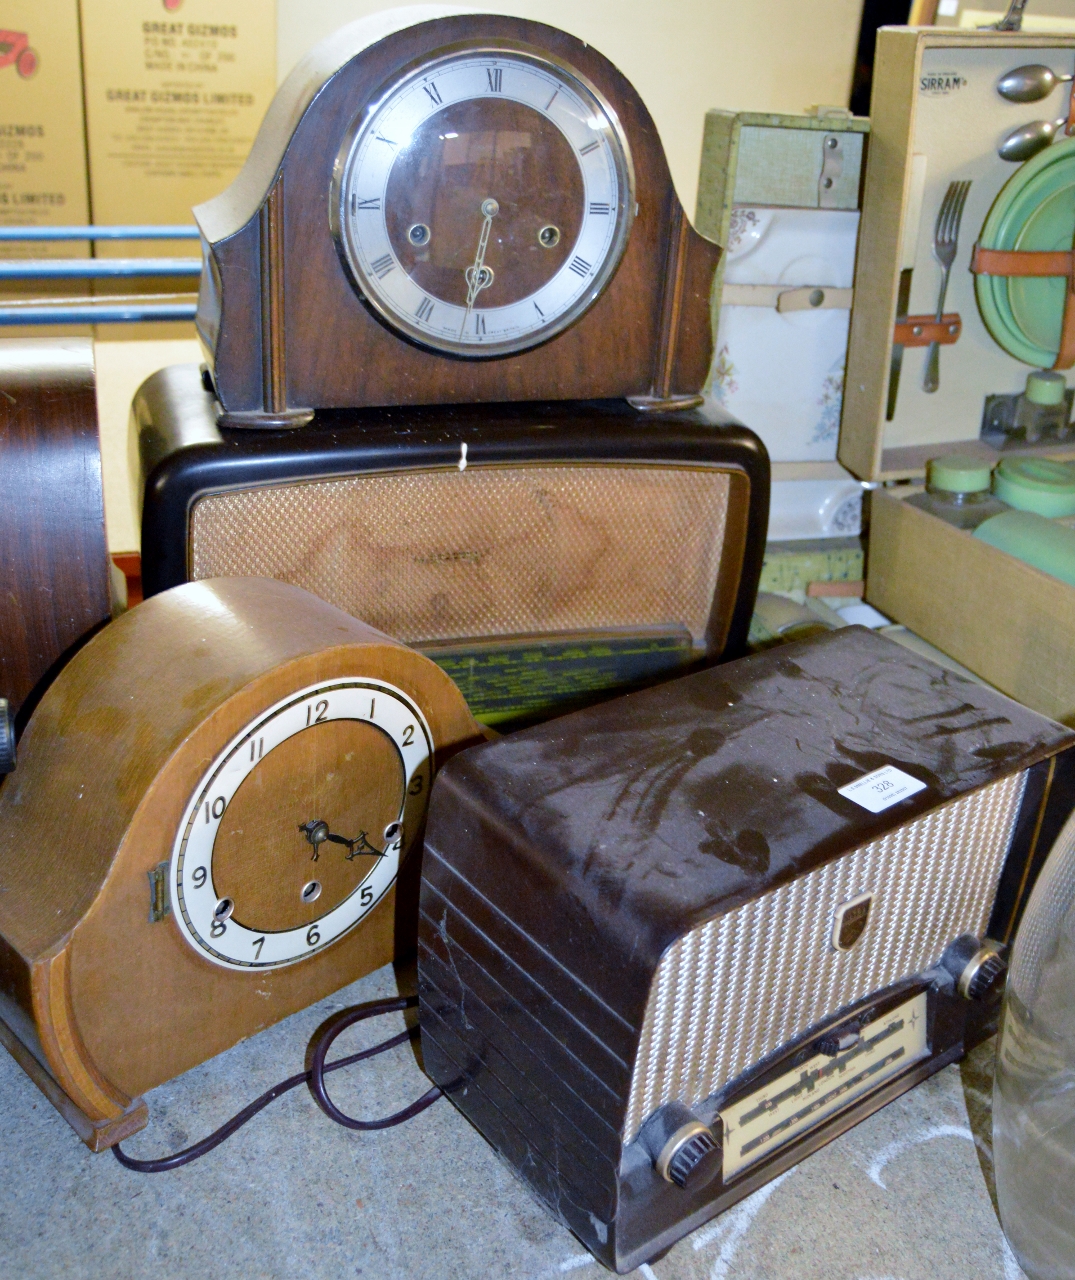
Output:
(542, 554)
(671, 944)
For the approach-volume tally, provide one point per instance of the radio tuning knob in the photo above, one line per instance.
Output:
(983, 975)
(683, 1149)
(694, 1162)
(977, 966)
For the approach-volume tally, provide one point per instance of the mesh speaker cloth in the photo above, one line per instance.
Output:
(732, 991)
(489, 551)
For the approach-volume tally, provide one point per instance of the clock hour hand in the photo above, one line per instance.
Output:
(478, 276)
(317, 832)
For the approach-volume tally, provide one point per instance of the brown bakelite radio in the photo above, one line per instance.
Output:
(671, 944)
(542, 554)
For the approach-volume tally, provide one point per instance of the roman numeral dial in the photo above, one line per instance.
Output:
(484, 201)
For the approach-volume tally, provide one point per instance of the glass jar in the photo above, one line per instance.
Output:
(957, 491)
(1034, 1090)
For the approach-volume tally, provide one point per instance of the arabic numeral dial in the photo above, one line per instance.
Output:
(294, 832)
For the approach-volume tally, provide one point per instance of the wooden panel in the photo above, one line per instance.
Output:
(54, 574)
(97, 1135)
(1010, 623)
(888, 175)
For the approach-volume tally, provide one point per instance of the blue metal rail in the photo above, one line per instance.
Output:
(97, 268)
(99, 233)
(103, 310)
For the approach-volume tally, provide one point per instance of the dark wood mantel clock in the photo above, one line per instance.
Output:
(473, 209)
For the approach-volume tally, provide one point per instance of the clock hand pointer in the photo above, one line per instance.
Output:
(317, 832)
(478, 276)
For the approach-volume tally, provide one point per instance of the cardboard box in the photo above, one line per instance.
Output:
(175, 93)
(1008, 622)
(936, 117)
(42, 146)
(42, 133)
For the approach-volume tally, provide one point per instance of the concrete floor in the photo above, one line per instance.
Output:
(905, 1196)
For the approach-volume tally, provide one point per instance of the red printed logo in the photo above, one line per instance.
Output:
(171, 5)
(15, 50)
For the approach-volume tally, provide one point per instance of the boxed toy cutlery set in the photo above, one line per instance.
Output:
(962, 281)
(963, 334)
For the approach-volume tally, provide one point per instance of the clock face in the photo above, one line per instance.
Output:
(297, 828)
(484, 202)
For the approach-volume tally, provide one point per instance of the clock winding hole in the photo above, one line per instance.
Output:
(311, 892)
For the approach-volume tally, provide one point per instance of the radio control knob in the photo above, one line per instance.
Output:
(977, 966)
(684, 1151)
(983, 976)
(695, 1161)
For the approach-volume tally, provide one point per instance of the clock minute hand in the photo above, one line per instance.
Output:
(478, 276)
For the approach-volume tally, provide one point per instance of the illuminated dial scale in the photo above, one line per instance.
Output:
(484, 202)
(259, 879)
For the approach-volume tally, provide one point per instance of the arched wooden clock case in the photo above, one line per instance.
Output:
(293, 310)
(208, 828)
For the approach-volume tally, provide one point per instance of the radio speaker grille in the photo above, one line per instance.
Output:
(737, 988)
(489, 551)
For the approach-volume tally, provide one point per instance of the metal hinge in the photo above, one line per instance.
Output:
(159, 899)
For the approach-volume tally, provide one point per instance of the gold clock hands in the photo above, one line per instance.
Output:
(478, 276)
(317, 832)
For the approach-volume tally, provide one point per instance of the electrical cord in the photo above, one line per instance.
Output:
(315, 1078)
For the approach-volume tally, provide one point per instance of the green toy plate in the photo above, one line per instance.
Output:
(1034, 210)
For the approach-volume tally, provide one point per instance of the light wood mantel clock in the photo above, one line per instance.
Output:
(467, 209)
(207, 830)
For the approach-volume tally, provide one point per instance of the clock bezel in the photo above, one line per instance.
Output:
(625, 211)
(383, 873)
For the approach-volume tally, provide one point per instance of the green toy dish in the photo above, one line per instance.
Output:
(1041, 485)
(1034, 210)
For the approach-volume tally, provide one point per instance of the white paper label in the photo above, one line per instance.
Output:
(879, 790)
